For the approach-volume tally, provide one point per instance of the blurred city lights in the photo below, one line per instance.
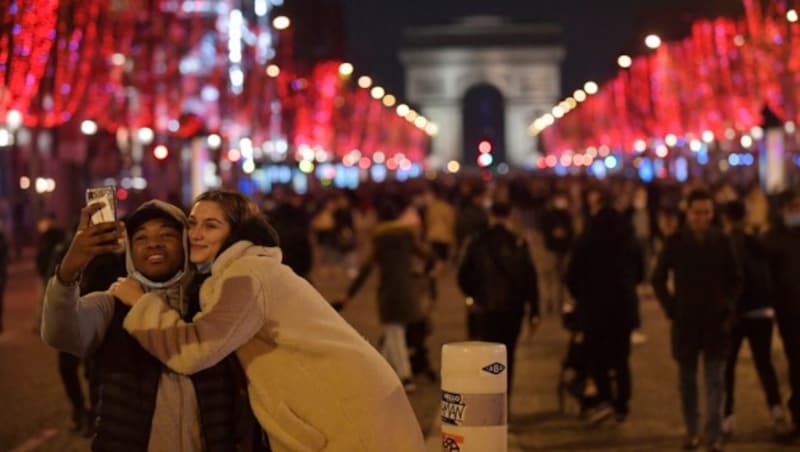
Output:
(420, 122)
(364, 81)
(610, 162)
(389, 100)
(306, 166)
(214, 141)
(345, 69)
(624, 61)
(757, 133)
(662, 151)
(558, 112)
(281, 22)
(746, 141)
(249, 166)
(6, 138)
(640, 145)
(484, 146)
(652, 41)
(790, 127)
(579, 95)
(145, 135)
(377, 92)
(13, 119)
(24, 183)
(453, 166)
(485, 160)
(160, 152)
(695, 145)
(273, 70)
(671, 140)
(431, 129)
(708, 136)
(89, 127)
(403, 109)
(791, 15)
(234, 155)
(590, 87)
(378, 157)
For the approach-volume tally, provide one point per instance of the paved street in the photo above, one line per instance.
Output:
(35, 411)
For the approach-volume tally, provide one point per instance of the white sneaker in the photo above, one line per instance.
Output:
(729, 425)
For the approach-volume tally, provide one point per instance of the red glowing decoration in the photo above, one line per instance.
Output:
(719, 78)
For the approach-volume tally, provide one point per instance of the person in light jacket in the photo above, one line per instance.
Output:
(314, 383)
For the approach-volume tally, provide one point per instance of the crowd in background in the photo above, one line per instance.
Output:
(576, 249)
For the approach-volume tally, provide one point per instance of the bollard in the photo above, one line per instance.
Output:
(474, 409)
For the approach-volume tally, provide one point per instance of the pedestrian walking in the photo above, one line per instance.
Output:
(783, 248)
(496, 271)
(558, 232)
(707, 284)
(754, 318)
(605, 268)
(400, 288)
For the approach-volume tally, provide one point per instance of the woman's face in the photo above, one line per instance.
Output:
(208, 230)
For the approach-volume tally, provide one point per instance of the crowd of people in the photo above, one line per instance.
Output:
(219, 323)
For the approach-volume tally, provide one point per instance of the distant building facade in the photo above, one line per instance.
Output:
(522, 61)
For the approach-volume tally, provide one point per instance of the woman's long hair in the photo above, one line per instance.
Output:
(246, 221)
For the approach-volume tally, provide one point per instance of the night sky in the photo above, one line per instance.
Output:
(595, 31)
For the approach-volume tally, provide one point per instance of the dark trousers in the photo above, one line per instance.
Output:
(502, 327)
(758, 333)
(789, 327)
(68, 369)
(416, 334)
(607, 352)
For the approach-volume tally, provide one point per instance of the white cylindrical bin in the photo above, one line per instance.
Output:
(474, 409)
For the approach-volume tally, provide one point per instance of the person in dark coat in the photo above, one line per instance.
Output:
(783, 248)
(558, 232)
(702, 308)
(754, 318)
(497, 272)
(400, 287)
(471, 219)
(293, 224)
(605, 268)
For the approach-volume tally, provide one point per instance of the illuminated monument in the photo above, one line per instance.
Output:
(483, 79)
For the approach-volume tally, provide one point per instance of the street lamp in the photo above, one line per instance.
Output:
(652, 41)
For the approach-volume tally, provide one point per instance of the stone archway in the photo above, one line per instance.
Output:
(522, 61)
(483, 119)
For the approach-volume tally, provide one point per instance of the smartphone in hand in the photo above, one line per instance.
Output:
(106, 196)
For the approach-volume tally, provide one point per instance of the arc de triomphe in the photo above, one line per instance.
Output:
(444, 62)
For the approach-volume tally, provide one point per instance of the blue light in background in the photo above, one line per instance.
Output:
(598, 168)
(378, 173)
(610, 162)
(646, 171)
(702, 156)
(681, 169)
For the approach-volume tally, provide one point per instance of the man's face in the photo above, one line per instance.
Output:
(699, 214)
(157, 249)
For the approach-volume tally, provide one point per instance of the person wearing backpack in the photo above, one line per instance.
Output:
(497, 272)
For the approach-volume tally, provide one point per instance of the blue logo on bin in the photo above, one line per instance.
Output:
(495, 368)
